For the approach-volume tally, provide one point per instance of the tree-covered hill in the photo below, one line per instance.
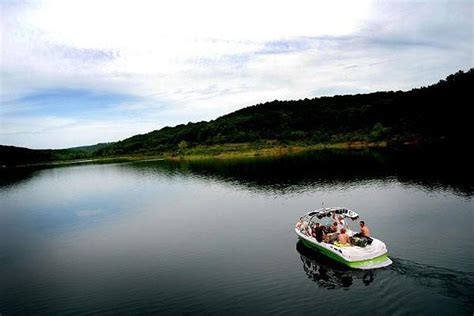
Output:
(12, 155)
(440, 111)
(90, 148)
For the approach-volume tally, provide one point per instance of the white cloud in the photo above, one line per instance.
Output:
(129, 24)
(52, 42)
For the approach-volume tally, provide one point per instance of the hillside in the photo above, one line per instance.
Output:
(12, 155)
(440, 111)
(437, 112)
(91, 148)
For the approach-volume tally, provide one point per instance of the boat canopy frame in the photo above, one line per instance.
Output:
(330, 212)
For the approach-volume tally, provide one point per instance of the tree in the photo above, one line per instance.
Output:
(182, 146)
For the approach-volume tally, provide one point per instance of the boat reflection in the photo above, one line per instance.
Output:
(328, 273)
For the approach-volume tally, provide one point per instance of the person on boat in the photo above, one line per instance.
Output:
(364, 230)
(331, 233)
(318, 232)
(303, 227)
(341, 223)
(298, 225)
(343, 238)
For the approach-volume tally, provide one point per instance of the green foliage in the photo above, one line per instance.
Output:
(378, 132)
(10, 155)
(182, 146)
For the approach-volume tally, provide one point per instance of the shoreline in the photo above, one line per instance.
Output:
(217, 152)
(246, 150)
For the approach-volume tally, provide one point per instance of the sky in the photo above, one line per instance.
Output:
(77, 73)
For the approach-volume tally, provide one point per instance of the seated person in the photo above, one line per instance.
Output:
(307, 229)
(331, 238)
(303, 227)
(364, 230)
(327, 229)
(298, 225)
(332, 233)
(313, 229)
(343, 238)
(301, 224)
(318, 232)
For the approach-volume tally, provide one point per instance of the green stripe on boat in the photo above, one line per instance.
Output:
(352, 264)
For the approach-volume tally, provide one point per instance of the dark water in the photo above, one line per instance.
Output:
(217, 237)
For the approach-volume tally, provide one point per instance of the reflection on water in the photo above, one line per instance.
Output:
(216, 237)
(298, 173)
(429, 168)
(328, 273)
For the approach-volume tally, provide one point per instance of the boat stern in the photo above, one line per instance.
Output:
(375, 263)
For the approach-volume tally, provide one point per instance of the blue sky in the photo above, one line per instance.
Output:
(69, 102)
(81, 72)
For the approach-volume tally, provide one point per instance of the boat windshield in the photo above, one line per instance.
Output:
(326, 215)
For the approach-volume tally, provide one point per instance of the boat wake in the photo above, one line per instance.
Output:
(448, 282)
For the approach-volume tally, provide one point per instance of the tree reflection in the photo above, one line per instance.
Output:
(301, 172)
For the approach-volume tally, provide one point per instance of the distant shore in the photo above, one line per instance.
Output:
(220, 152)
(250, 150)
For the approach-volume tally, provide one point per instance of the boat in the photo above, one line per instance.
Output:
(371, 253)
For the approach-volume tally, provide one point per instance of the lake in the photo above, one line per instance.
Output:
(216, 237)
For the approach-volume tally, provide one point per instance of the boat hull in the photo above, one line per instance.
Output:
(377, 259)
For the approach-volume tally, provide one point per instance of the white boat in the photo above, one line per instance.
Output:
(364, 256)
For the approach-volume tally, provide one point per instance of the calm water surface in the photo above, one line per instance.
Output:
(217, 237)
